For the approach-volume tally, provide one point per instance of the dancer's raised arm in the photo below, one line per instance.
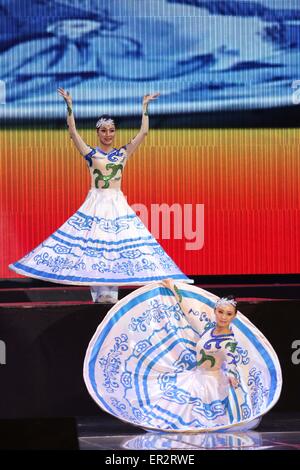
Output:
(138, 139)
(79, 143)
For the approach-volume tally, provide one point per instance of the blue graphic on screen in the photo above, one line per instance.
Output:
(200, 55)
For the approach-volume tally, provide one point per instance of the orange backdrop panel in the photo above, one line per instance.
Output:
(247, 180)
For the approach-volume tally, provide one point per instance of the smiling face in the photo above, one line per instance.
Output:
(106, 134)
(224, 315)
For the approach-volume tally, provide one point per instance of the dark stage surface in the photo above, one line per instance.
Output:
(277, 431)
(46, 328)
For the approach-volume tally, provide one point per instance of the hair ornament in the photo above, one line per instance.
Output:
(226, 301)
(104, 122)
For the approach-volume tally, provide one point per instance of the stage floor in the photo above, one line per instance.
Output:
(277, 431)
(49, 328)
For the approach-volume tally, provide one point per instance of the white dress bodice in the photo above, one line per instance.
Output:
(106, 168)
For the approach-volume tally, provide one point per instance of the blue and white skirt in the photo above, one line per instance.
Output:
(141, 367)
(103, 243)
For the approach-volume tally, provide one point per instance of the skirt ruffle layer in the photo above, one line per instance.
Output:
(102, 243)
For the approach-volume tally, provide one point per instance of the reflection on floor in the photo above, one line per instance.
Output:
(277, 431)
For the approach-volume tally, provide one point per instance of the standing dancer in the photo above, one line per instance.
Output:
(103, 244)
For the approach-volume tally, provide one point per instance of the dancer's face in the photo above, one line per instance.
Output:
(106, 134)
(224, 315)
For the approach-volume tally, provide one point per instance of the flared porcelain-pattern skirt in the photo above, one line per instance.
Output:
(140, 365)
(102, 243)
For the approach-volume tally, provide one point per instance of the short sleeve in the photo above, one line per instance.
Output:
(230, 358)
(88, 157)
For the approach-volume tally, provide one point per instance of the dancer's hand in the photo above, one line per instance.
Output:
(169, 283)
(66, 96)
(234, 382)
(150, 97)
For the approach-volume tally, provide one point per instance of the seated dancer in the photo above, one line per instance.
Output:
(103, 244)
(172, 357)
